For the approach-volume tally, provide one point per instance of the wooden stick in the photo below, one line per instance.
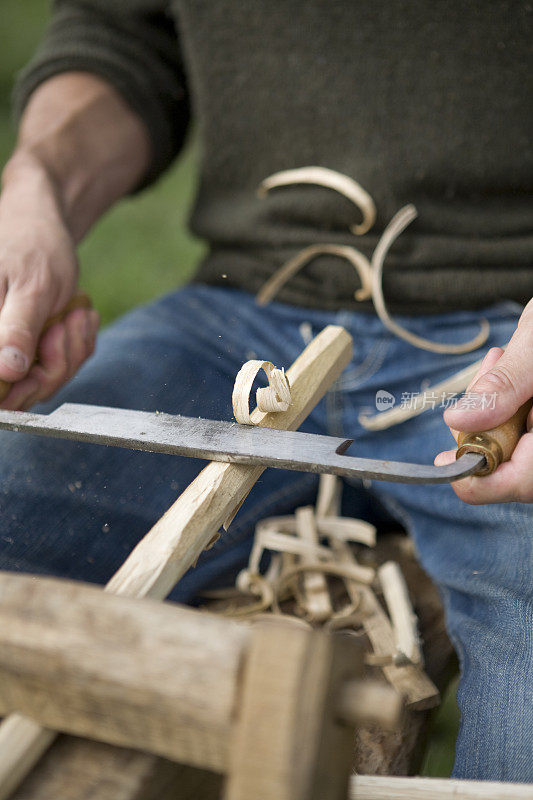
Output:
(316, 599)
(370, 787)
(411, 681)
(24, 742)
(180, 536)
(404, 622)
(328, 502)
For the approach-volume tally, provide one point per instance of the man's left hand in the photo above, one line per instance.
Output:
(506, 376)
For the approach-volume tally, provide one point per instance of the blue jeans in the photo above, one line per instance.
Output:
(77, 510)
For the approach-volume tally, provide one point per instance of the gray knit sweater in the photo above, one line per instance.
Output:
(421, 101)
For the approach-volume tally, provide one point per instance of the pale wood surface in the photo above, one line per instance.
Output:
(176, 541)
(370, 787)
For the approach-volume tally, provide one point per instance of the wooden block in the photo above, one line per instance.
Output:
(290, 743)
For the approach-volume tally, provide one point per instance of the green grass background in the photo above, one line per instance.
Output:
(142, 249)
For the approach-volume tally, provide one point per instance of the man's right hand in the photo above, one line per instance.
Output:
(38, 276)
(80, 149)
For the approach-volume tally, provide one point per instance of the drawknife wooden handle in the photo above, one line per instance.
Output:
(79, 300)
(497, 444)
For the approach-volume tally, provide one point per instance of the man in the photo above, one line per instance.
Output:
(418, 102)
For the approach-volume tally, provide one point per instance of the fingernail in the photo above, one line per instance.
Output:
(14, 358)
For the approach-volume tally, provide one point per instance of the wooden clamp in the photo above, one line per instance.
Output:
(273, 706)
(179, 537)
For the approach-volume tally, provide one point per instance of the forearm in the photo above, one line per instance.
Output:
(81, 145)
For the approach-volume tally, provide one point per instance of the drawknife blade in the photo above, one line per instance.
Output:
(226, 441)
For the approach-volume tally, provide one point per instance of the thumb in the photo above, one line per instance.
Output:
(500, 391)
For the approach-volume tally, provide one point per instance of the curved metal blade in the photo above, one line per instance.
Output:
(225, 441)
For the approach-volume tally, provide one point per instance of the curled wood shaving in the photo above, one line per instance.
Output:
(360, 262)
(309, 552)
(344, 529)
(370, 273)
(321, 176)
(396, 226)
(274, 397)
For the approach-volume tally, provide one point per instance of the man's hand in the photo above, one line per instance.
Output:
(507, 376)
(38, 275)
(80, 149)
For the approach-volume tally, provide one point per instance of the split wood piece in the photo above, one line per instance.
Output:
(315, 599)
(328, 502)
(409, 680)
(180, 536)
(288, 743)
(153, 676)
(370, 787)
(177, 540)
(401, 752)
(404, 622)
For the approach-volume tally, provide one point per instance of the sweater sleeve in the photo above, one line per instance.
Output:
(132, 45)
